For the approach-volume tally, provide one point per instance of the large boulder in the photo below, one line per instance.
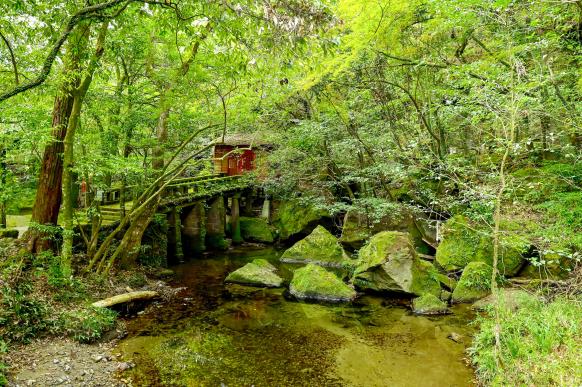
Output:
(511, 299)
(313, 282)
(464, 242)
(256, 230)
(320, 247)
(474, 284)
(358, 227)
(9, 233)
(259, 272)
(292, 218)
(389, 263)
(429, 304)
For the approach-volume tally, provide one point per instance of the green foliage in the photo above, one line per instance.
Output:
(23, 317)
(88, 324)
(540, 345)
(3, 367)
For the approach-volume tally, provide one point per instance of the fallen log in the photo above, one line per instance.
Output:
(144, 295)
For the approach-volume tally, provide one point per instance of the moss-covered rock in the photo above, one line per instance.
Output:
(446, 281)
(474, 284)
(359, 227)
(320, 247)
(292, 218)
(389, 263)
(315, 283)
(8, 233)
(511, 299)
(429, 304)
(464, 242)
(256, 230)
(259, 272)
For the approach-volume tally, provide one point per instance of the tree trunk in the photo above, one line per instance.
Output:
(48, 194)
(68, 153)
(3, 223)
(128, 250)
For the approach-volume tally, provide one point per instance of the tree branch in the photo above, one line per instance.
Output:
(12, 58)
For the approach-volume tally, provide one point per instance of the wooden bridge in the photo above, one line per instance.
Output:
(182, 190)
(196, 208)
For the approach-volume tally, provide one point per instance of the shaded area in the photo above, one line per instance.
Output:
(216, 333)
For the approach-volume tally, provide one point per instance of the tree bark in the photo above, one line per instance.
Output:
(68, 153)
(48, 194)
(3, 223)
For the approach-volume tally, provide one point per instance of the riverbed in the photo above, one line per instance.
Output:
(215, 334)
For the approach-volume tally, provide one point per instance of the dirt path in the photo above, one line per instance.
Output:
(63, 362)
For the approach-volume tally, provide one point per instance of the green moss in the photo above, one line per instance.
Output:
(314, 282)
(474, 284)
(319, 247)
(292, 218)
(217, 242)
(8, 233)
(464, 242)
(257, 273)
(256, 230)
(429, 304)
(446, 281)
(389, 263)
(424, 279)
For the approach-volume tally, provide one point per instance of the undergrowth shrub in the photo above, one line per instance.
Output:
(3, 366)
(540, 345)
(87, 325)
(21, 316)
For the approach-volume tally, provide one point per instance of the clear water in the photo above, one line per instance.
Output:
(216, 334)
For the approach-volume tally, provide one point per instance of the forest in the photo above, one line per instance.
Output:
(291, 192)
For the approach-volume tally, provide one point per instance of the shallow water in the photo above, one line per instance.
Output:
(216, 334)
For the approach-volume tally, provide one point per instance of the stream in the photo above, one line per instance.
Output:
(214, 334)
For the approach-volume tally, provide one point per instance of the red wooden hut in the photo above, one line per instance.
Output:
(238, 154)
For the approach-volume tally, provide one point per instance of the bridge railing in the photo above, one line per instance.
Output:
(179, 187)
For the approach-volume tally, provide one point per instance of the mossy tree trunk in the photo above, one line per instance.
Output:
(68, 153)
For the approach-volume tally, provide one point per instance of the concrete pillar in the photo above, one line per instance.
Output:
(194, 229)
(175, 236)
(266, 211)
(215, 224)
(235, 220)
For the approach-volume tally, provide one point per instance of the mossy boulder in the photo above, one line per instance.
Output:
(429, 304)
(256, 230)
(511, 299)
(359, 227)
(292, 218)
(9, 233)
(313, 282)
(320, 247)
(474, 284)
(259, 272)
(551, 264)
(446, 281)
(389, 263)
(464, 242)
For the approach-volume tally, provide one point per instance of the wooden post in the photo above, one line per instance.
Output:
(235, 220)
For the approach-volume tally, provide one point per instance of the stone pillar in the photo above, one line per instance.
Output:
(235, 220)
(175, 236)
(194, 229)
(215, 224)
(266, 211)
